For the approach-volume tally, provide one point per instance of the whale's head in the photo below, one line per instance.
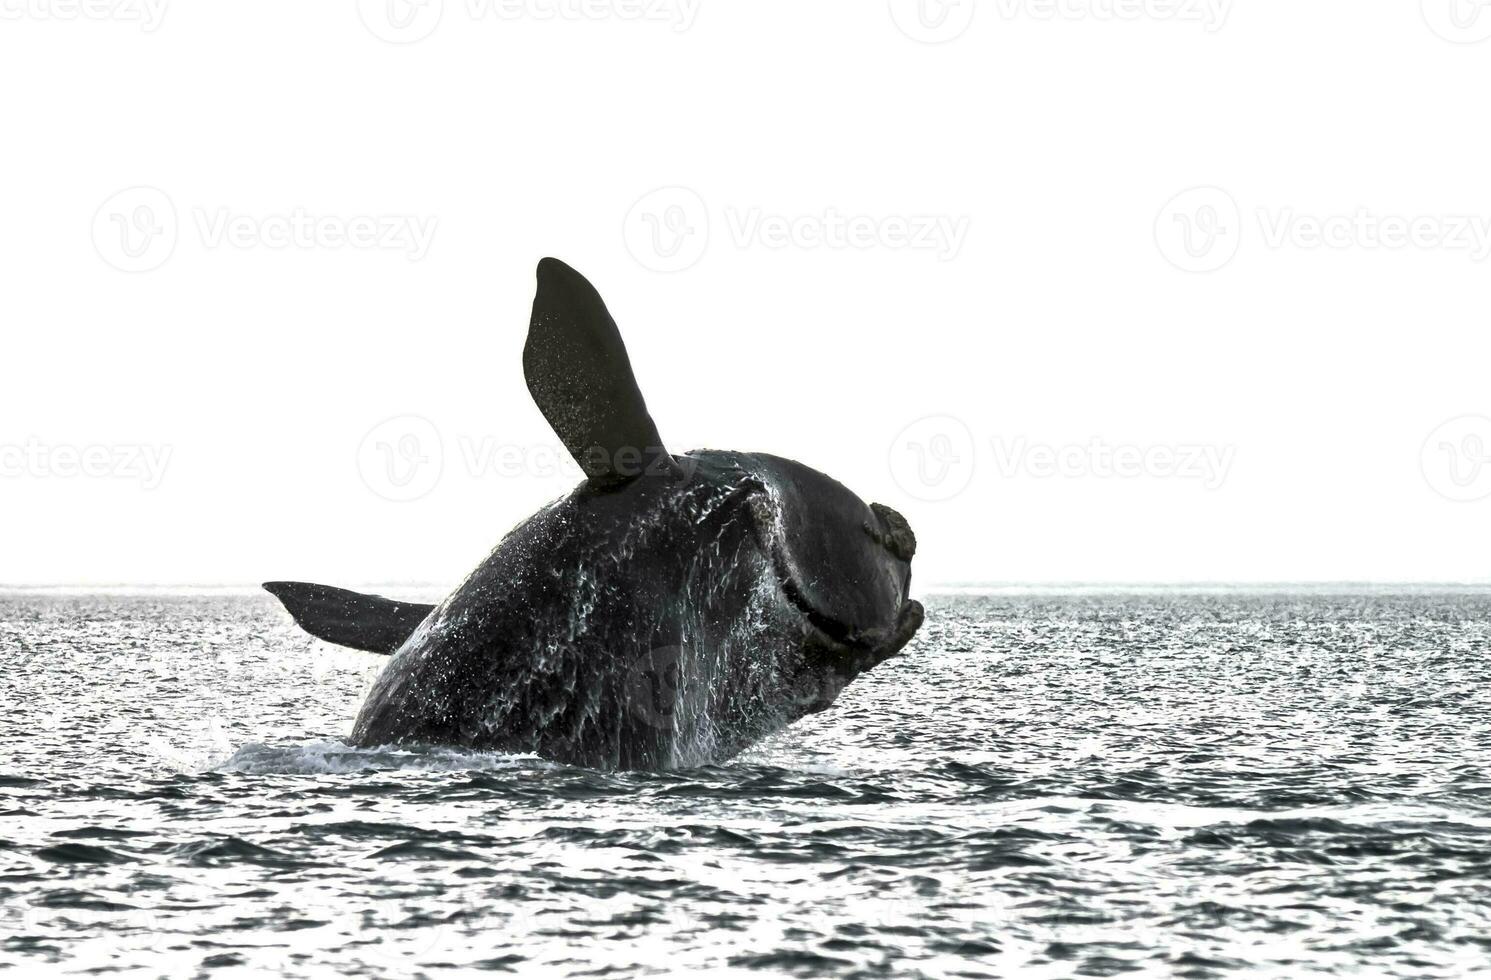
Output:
(844, 566)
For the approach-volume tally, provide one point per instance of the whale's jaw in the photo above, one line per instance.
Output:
(831, 665)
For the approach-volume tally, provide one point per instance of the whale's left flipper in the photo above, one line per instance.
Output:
(363, 622)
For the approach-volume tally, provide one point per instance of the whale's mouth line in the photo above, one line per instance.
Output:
(860, 648)
(846, 646)
(832, 664)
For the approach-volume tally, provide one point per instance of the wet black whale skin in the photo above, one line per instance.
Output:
(549, 645)
(670, 611)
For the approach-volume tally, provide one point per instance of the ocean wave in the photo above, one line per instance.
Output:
(336, 758)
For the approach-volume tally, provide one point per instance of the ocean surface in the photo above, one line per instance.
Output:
(1047, 783)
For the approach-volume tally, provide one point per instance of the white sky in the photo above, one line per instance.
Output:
(1044, 150)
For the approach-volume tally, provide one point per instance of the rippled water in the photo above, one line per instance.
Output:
(1044, 784)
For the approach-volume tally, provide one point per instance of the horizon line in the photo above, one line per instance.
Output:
(932, 588)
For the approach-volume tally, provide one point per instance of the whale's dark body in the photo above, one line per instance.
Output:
(669, 612)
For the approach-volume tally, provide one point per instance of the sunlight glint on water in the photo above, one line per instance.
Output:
(1218, 784)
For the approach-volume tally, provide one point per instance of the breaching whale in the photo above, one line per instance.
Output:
(668, 613)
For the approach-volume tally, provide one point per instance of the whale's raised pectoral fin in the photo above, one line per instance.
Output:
(363, 622)
(581, 379)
